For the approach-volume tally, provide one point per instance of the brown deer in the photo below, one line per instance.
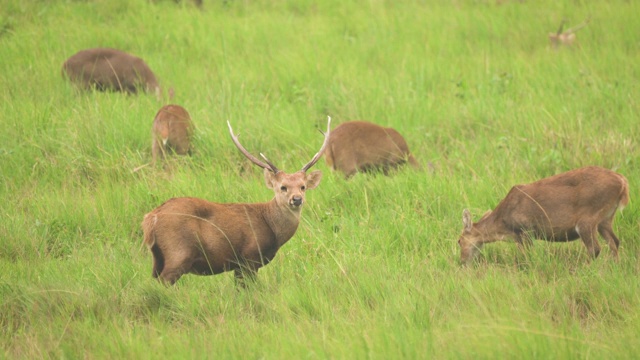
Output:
(567, 37)
(360, 146)
(171, 132)
(110, 69)
(576, 204)
(189, 235)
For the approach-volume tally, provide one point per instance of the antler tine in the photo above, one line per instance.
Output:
(578, 27)
(561, 27)
(248, 155)
(273, 167)
(324, 146)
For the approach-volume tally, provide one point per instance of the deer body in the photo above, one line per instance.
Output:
(567, 37)
(110, 69)
(363, 146)
(576, 204)
(190, 235)
(171, 132)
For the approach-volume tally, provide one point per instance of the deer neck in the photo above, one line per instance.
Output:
(282, 220)
(492, 229)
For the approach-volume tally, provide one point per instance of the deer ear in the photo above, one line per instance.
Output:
(313, 179)
(466, 220)
(269, 178)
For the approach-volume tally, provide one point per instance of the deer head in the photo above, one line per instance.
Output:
(288, 188)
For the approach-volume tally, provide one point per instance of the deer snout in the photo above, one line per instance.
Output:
(296, 200)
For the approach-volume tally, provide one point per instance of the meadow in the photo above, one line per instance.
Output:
(373, 271)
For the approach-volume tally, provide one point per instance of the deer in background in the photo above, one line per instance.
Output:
(110, 69)
(171, 132)
(576, 204)
(360, 146)
(566, 37)
(189, 235)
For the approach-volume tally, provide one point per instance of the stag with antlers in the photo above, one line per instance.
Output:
(190, 235)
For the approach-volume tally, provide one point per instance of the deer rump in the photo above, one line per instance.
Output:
(553, 208)
(361, 146)
(109, 69)
(207, 238)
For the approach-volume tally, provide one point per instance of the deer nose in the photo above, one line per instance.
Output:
(296, 200)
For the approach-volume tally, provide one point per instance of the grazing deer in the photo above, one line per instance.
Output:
(566, 38)
(110, 69)
(189, 235)
(363, 146)
(576, 204)
(171, 132)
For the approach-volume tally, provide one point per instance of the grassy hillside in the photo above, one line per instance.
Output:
(474, 86)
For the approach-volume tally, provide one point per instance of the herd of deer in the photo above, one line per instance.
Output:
(190, 235)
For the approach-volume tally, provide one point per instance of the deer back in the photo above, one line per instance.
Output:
(559, 202)
(360, 146)
(110, 69)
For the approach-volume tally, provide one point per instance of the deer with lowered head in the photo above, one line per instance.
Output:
(575, 204)
(189, 235)
(171, 132)
(360, 146)
(110, 69)
(566, 37)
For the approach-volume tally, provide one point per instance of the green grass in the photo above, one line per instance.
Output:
(373, 270)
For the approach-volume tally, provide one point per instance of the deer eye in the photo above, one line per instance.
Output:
(303, 188)
(283, 188)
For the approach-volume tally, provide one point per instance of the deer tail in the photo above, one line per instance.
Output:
(624, 193)
(148, 228)
(624, 198)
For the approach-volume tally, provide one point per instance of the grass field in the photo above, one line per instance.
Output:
(373, 271)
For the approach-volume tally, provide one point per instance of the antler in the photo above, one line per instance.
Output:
(576, 28)
(561, 27)
(269, 166)
(324, 145)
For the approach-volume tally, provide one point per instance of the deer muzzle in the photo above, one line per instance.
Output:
(296, 200)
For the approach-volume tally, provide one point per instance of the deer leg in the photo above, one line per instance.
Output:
(158, 261)
(174, 269)
(348, 166)
(524, 242)
(169, 276)
(606, 231)
(349, 169)
(243, 274)
(154, 151)
(588, 234)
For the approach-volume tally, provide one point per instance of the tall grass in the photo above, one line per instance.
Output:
(373, 269)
